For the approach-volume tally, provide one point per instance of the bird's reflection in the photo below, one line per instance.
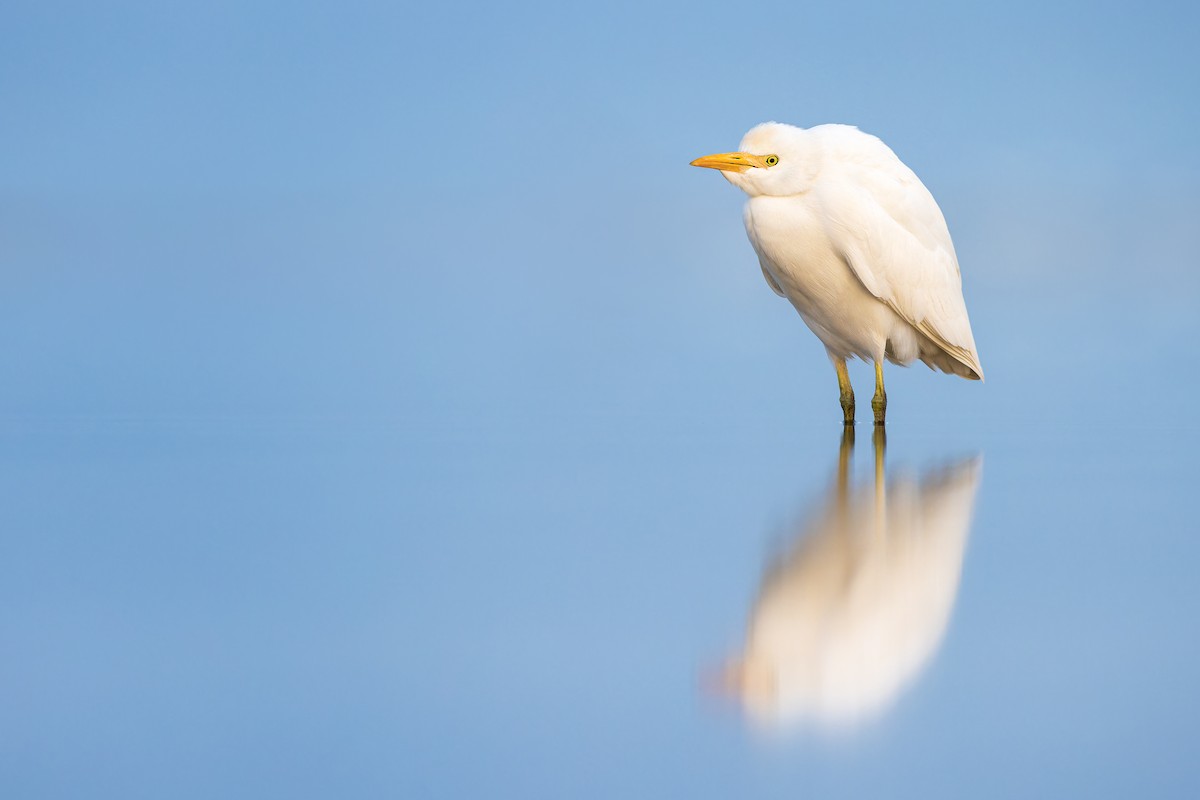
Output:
(857, 606)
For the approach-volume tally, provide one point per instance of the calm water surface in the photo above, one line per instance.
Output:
(639, 606)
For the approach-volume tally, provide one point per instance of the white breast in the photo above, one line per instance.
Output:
(799, 258)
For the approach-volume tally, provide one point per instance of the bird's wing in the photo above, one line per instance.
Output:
(888, 228)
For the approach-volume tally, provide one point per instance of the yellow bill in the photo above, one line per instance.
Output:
(730, 162)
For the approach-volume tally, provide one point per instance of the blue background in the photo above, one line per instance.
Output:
(388, 409)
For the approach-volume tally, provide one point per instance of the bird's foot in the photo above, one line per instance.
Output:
(847, 409)
(879, 406)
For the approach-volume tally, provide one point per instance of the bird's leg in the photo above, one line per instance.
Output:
(879, 401)
(847, 391)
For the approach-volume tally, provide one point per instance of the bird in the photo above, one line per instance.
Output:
(856, 607)
(847, 233)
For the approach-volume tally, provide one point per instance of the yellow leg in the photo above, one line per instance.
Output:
(879, 401)
(847, 391)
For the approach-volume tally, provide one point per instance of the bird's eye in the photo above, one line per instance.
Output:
(771, 160)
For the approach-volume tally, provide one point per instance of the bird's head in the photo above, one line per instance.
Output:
(773, 159)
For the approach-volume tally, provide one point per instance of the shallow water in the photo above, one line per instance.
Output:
(205, 606)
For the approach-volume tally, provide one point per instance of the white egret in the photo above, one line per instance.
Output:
(849, 234)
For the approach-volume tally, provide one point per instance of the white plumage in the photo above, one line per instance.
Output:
(853, 239)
